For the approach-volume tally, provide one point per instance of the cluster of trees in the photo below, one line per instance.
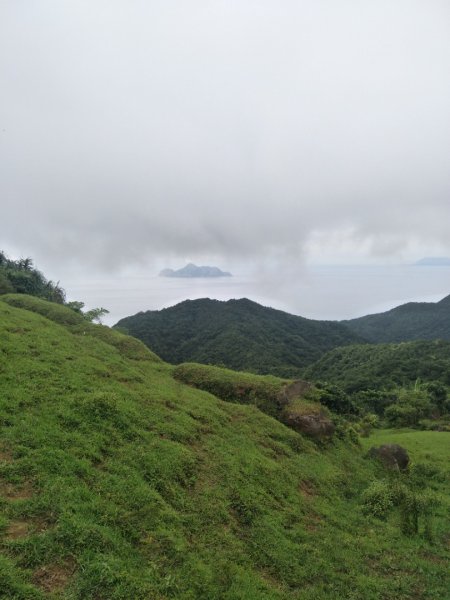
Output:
(21, 277)
(423, 404)
(384, 366)
(402, 385)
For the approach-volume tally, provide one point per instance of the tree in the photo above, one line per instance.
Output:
(95, 314)
(6, 286)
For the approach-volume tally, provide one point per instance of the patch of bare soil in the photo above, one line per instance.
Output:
(16, 530)
(53, 578)
(5, 456)
(13, 492)
(312, 522)
(307, 489)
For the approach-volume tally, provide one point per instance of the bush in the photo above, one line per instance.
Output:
(412, 405)
(378, 499)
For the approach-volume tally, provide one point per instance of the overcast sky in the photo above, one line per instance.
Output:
(141, 134)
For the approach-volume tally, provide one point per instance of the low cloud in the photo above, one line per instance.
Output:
(147, 132)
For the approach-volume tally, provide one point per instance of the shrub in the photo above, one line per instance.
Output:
(378, 499)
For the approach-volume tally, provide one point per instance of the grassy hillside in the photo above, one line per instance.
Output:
(119, 482)
(383, 366)
(412, 321)
(238, 334)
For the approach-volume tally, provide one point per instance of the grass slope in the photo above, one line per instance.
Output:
(412, 321)
(383, 365)
(118, 482)
(238, 334)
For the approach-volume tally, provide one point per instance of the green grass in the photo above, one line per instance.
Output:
(262, 391)
(118, 482)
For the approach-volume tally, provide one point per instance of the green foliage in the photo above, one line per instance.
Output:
(238, 334)
(412, 405)
(384, 366)
(265, 392)
(273, 396)
(415, 507)
(334, 398)
(404, 384)
(6, 287)
(95, 314)
(77, 324)
(19, 276)
(52, 311)
(417, 503)
(378, 498)
(367, 424)
(438, 395)
(119, 482)
(412, 321)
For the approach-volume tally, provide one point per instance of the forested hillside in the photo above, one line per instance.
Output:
(379, 366)
(405, 384)
(238, 334)
(412, 321)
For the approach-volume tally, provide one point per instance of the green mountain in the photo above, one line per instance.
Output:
(238, 334)
(119, 482)
(411, 321)
(383, 366)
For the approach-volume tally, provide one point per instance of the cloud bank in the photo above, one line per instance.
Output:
(138, 132)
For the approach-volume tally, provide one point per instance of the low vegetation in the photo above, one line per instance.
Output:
(118, 481)
(123, 477)
(293, 403)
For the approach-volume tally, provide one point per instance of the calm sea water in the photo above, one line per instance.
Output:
(318, 293)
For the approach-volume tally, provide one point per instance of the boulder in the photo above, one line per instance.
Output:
(392, 456)
(316, 425)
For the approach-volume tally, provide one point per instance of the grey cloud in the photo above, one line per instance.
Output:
(140, 130)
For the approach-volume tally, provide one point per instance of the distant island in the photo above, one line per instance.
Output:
(433, 261)
(192, 270)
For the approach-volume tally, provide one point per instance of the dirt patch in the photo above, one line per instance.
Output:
(437, 560)
(307, 488)
(5, 456)
(312, 522)
(14, 492)
(16, 530)
(52, 578)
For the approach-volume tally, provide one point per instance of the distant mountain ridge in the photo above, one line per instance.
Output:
(191, 270)
(408, 322)
(238, 334)
(243, 335)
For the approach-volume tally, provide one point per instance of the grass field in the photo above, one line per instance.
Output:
(118, 482)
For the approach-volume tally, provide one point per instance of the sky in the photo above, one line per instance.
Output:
(259, 136)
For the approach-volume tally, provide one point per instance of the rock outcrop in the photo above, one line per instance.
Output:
(392, 456)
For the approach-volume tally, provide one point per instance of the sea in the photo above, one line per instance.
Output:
(318, 292)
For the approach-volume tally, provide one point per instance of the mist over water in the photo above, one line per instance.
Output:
(325, 292)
